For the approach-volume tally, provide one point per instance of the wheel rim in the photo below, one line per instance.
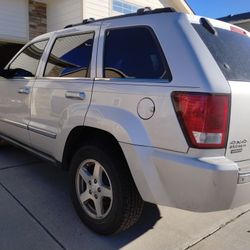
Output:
(94, 189)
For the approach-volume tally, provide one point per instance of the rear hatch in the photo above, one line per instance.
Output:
(230, 47)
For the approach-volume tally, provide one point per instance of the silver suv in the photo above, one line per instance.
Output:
(149, 106)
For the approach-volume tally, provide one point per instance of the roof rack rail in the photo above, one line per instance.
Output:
(162, 10)
(84, 21)
(148, 10)
(142, 11)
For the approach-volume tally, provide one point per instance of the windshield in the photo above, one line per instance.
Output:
(231, 50)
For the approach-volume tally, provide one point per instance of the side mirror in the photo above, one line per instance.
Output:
(7, 73)
(10, 73)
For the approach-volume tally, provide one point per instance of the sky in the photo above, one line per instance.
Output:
(219, 8)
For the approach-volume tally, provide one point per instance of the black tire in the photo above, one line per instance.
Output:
(127, 203)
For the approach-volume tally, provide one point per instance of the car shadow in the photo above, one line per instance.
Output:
(43, 190)
(150, 216)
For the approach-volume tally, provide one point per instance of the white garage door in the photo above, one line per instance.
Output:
(14, 20)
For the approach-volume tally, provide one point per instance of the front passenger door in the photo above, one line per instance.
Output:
(15, 92)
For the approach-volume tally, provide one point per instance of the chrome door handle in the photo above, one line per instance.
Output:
(25, 90)
(75, 95)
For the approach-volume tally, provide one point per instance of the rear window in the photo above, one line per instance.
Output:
(231, 51)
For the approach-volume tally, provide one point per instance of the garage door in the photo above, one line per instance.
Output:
(14, 20)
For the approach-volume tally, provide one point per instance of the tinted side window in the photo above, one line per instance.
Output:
(134, 53)
(71, 56)
(27, 62)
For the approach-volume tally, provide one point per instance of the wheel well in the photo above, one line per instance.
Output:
(83, 135)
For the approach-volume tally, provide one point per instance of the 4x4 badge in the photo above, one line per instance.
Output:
(237, 146)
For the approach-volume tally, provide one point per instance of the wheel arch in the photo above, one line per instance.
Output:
(83, 135)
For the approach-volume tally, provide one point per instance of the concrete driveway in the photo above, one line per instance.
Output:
(36, 213)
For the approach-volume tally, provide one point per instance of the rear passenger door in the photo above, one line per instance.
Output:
(62, 93)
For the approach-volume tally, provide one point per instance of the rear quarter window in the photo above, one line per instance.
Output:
(134, 52)
(230, 50)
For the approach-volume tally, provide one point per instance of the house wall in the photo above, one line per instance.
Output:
(37, 18)
(63, 12)
(99, 9)
(14, 21)
(96, 8)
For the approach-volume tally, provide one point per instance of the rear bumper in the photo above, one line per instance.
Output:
(177, 180)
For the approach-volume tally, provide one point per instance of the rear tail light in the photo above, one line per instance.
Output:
(203, 117)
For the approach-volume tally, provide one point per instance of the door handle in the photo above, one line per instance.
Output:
(25, 90)
(75, 95)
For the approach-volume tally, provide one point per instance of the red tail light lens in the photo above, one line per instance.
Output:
(203, 117)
